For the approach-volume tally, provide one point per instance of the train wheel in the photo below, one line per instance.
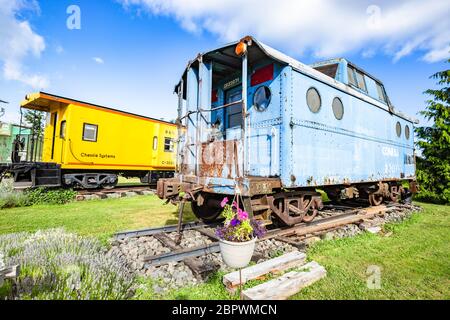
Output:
(394, 194)
(375, 199)
(310, 215)
(209, 211)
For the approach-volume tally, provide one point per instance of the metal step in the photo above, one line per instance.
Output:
(48, 181)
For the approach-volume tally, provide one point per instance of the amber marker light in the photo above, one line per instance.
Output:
(241, 48)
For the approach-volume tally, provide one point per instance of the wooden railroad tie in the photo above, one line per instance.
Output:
(286, 285)
(298, 276)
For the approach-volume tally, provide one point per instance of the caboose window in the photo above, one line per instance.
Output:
(261, 98)
(361, 81)
(313, 100)
(168, 145)
(338, 108)
(155, 143)
(62, 129)
(90, 132)
(398, 129)
(351, 76)
(381, 93)
(407, 133)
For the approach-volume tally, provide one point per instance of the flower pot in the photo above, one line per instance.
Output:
(237, 254)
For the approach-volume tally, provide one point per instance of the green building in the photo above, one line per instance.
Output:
(8, 133)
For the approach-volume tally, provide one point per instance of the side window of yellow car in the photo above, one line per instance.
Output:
(90, 132)
(62, 130)
(155, 143)
(168, 144)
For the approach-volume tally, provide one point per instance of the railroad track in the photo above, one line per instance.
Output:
(116, 192)
(330, 218)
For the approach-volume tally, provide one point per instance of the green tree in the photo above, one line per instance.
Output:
(433, 168)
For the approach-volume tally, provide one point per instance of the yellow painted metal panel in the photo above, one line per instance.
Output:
(124, 141)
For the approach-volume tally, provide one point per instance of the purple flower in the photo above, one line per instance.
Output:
(235, 222)
(224, 202)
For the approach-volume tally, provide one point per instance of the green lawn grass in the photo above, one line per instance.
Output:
(414, 263)
(99, 218)
(414, 260)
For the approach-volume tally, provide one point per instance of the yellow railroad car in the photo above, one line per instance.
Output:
(89, 146)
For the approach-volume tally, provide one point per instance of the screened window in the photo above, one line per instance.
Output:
(90, 132)
(155, 143)
(62, 129)
(168, 145)
(381, 93)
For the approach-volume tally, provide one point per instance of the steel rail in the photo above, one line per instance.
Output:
(179, 255)
(164, 229)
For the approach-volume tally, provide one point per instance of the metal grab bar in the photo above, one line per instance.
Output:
(212, 109)
(224, 106)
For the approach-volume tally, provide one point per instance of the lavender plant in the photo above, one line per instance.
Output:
(60, 265)
(238, 226)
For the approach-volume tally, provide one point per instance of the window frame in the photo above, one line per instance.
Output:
(407, 132)
(171, 144)
(398, 129)
(383, 91)
(62, 129)
(84, 129)
(355, 85)
(320, 100)
(155, 143)
(258, 108)
(343, 109)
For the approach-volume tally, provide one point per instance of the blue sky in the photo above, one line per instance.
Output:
(129, 54)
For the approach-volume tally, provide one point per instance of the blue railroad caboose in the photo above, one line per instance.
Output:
(263, 123)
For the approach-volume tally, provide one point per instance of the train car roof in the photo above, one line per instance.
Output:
(41, 101)
(225, 55)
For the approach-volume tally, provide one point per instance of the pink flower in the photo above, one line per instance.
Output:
(224, 202)
(234, 204)
(242, 215)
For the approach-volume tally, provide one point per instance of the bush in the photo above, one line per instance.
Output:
(431, 197)
(59, 265)
(11, 199)
(49, 196)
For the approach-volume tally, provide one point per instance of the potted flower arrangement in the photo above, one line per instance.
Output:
(237, 237)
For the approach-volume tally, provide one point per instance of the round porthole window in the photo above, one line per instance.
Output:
(407, 132)
(313, 100)
(398, 129)
(261, 98)
(338, 108)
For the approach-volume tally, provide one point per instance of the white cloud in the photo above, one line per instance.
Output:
(323, 27)
(18, 41)
(98, 60)
(59, 49)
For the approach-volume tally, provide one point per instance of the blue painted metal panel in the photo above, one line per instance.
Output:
(190, 152)
(363, 146)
